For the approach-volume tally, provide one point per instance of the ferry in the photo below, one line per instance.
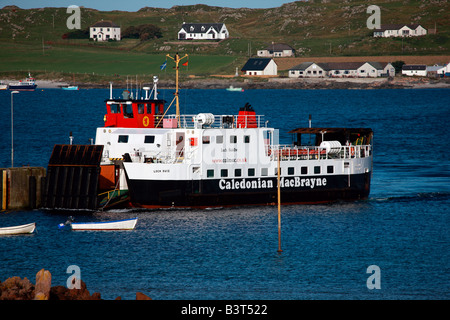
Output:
(206, 160)
(29, 84)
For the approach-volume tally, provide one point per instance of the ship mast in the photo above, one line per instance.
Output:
(177, 60)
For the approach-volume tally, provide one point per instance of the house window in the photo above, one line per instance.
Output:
(317, 170)
(251, 172)
(233, 139)
(291, 171)
(304, 170)
(330, 169)
(206, 140)
(210, 173)
(123, 139)
(219, 139)
(264, 171)
(224, 173)
(237, 172)
(246, 139)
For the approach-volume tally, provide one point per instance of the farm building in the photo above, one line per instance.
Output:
(203, 31)
(260, 67)
(104, 31)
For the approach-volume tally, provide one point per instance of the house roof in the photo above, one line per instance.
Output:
(257, 64)
(105, 23)
(302, 66)
(201, 27)
(278, 47)
(385, 27)
(341, 65)
(414, 67)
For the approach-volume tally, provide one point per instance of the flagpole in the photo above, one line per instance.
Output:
(177, 60)
(279, 202)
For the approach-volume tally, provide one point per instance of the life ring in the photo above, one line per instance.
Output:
(352, 151)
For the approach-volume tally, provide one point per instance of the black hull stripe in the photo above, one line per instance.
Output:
(228, 192)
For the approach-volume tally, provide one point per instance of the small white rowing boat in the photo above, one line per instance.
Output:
(127, 224)
(26, 228)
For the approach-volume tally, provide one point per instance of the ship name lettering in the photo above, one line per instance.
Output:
(295, 182)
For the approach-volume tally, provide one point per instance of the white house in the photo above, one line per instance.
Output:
(342, 70)
(400, 30)
(104, 31)
(414, 70)
(260, 67)
(203, 31)
(374, 69)
(277, 50)
(308, 69)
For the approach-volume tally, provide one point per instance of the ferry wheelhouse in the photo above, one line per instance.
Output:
(206, 160)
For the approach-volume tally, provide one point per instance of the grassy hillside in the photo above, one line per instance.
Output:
(31, 39)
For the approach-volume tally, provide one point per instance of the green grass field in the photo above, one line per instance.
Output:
(31, 40)
(102, 61)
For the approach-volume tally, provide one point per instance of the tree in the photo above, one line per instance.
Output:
(398, 66)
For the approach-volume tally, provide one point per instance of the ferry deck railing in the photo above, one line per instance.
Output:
(220, 121)
(289, 153)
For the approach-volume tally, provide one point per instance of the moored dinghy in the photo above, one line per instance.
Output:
(127, 224)
(22, 229)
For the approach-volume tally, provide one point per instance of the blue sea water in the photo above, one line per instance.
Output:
(403, 228)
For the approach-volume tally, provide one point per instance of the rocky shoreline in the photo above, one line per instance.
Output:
(278, 83)
(15, 288)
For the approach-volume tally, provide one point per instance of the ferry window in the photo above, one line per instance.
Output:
(141, 108)
(219, 139)
(317, 169)
(304, 170)
(233, 139)
(127, 111)
(251, 172)
(123, 139)
(206, 140)
(330, 169)
(264, 171)
(246, 139)
(237, 172)
(149, 139)
(291, 171)
(224, 173)
(210, 173)
(115, 108)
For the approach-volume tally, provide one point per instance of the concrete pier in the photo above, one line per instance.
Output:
(20, 188)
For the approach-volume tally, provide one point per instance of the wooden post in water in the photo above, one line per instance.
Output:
(279, 205)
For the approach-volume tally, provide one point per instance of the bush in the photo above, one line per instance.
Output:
(77, 34)
(143, 32)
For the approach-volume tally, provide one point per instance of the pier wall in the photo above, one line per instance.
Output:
(20, 188)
